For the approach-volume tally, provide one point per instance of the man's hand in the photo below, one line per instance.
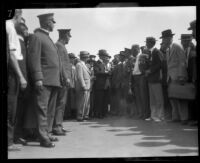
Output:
(67, 82)
(23, 83)
(39, 85)
(147, 72)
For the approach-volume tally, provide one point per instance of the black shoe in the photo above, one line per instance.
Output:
(80, 120)
(185, 122)
(47, 144)
(53, 139)
(20, 141)
(58, 133)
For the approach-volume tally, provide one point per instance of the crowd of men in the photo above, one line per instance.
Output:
(46, 84)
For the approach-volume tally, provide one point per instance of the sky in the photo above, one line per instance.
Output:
(114, 29)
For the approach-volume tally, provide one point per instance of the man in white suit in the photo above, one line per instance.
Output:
(176, 73)
(82, 86)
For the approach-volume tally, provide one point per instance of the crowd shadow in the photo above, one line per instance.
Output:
(153, 134)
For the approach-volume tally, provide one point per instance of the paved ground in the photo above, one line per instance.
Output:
(117, 137)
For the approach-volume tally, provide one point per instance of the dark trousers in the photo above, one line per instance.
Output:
(60, 108)
(23, 100)
(13, 89)
(167, 104)
(140, 87)
(91, 114)
(100, 105)
(45, 110)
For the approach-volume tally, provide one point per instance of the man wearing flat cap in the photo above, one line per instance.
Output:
(176, 73)
(45, 70)
(193, 28)
(64, 37)
(82, 87)
(154, 83)
(102, 72)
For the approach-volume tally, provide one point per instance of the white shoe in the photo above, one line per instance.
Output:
(157, 120)
(148, 119)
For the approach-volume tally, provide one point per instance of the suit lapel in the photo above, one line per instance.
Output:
(86, 68)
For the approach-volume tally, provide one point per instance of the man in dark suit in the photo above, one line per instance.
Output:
(64, 36)
(154, 81)
(102, 73)
(45, 68)
(190, 53)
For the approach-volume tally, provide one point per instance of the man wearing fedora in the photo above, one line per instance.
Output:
(154, 81)
(45, 70)
(83, 86)
(190, 53)
(102, 83)
(176, 73)
(64, 37)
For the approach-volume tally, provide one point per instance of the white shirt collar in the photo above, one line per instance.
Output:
(20, 37)
(45, 30)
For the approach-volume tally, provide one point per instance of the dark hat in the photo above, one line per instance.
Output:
(150, 39)
(127, 50)
(84, 54)
(64, 32)
(71, 55)
(92, 56)
(103, 52)
(122, 53)
(192, 25)
(167, 33)
(135, 46)
(45, 17)
(186, 37)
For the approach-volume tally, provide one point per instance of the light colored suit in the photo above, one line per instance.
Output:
(177, 67)
(176, 63)
(83, 77)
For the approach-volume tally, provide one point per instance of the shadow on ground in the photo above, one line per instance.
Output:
(153, 133)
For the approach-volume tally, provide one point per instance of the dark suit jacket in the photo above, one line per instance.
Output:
(43, 59)
(101, 76)
(155, 67)
(66, 65)
(191, 66)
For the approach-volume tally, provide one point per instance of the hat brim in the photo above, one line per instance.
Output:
(167, 36)
(190, 28)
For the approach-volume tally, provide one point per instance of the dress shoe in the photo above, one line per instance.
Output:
(63, 130)
(47, 144)
(20, 141)
(185, 122)
(80, 120)
(53, 139)
(148, 119)
(13, 148)
(59, 133)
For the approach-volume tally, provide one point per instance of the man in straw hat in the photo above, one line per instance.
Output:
(64, 37)
(45, 68)
(82, 86)
(176, 73)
